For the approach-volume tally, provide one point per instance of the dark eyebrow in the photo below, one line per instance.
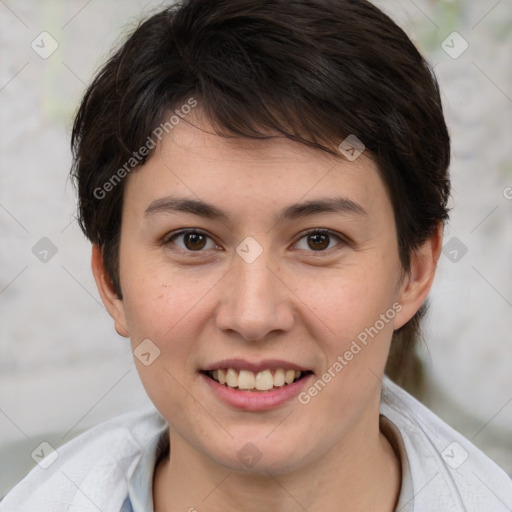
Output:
(327, 205)
(181, 204)
(294, 211)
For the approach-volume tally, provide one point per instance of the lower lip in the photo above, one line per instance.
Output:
(257, 400)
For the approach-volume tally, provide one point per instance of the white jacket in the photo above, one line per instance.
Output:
(442, 471)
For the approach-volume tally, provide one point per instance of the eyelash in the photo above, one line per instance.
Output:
(316, 231)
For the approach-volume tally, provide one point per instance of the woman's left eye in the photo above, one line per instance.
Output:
(318, 240)
(192, 241)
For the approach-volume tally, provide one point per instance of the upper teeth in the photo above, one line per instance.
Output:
(262, 381)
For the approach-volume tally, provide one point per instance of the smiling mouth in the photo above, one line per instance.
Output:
(266, 380)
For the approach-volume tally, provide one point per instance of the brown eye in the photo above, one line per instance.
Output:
(194, 241)
(318, 241)
(191, 240)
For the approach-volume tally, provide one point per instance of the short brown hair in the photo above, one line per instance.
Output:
(315, 71)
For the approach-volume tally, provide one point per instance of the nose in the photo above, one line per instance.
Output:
(255, 302)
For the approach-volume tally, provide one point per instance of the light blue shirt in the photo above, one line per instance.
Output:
(140, 486)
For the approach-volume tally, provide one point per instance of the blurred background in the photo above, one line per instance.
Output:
(62, 366)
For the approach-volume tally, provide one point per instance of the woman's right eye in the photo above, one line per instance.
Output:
(191, 240)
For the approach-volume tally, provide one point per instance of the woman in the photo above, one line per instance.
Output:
(265, 185)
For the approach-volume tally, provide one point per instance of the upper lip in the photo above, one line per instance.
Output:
(253, 366)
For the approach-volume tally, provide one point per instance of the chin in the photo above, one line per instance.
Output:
(259, 455)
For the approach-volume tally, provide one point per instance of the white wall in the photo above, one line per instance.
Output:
(63, 367)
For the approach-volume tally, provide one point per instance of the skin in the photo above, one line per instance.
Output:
(293, 303)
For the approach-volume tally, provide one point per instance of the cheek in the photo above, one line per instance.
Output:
(160, 301)
(354, 313)
(167, 312)
(346, 301)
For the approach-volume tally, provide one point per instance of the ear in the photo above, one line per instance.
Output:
(418, 281)
(112, 302)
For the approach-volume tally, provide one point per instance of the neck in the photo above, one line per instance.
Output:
(360, 473)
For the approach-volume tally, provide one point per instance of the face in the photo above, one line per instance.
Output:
(263, 263)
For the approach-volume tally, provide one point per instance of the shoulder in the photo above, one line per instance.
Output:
(91, 471)
(448, 472)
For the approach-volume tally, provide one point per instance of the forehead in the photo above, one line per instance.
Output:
(193, 160)
(196, 135)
